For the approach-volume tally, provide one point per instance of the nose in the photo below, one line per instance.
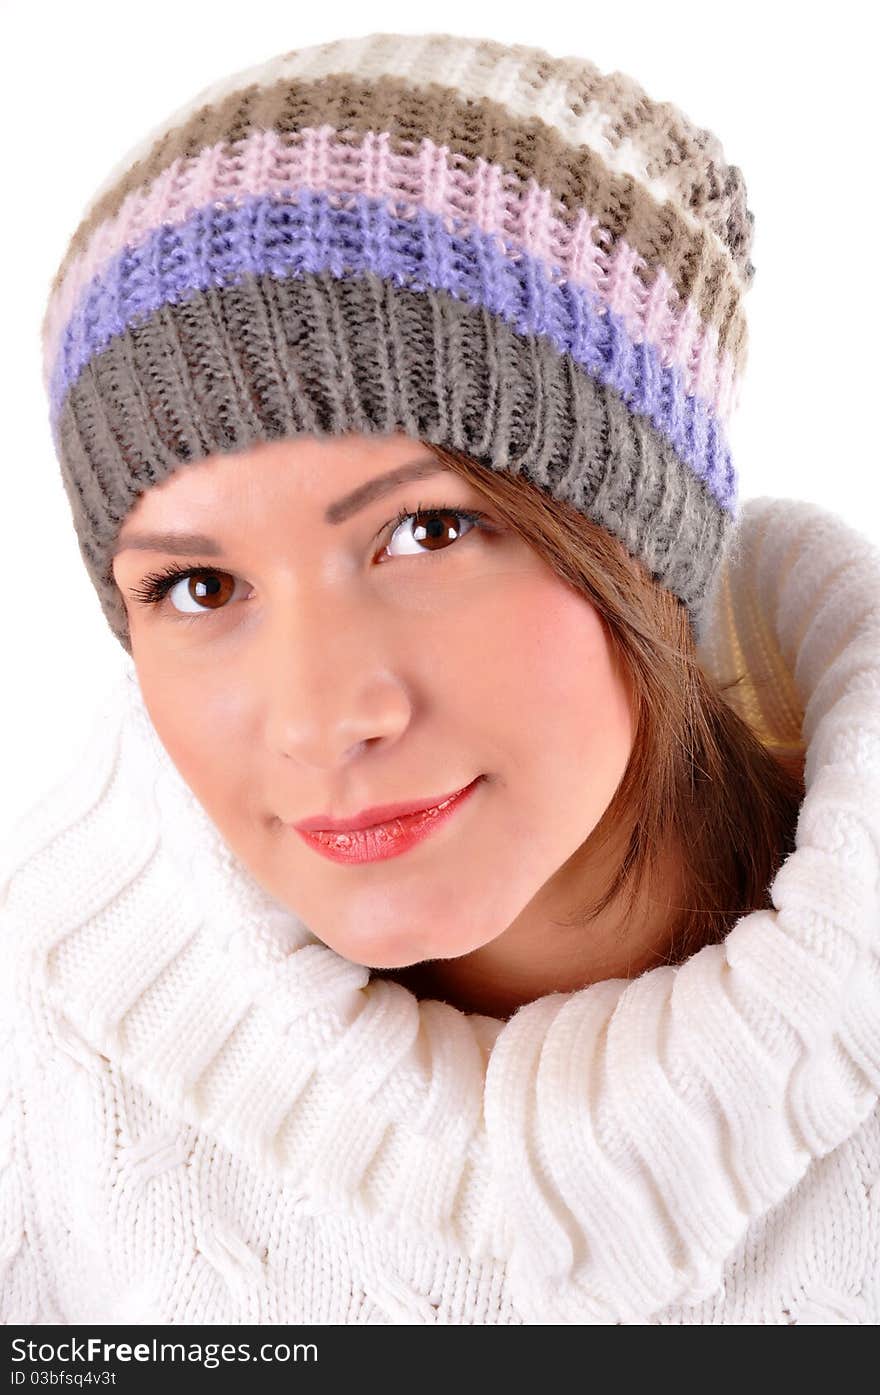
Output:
(329, 685)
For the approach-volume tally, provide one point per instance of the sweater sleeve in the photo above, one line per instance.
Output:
(26, 1289)
(30, 1291)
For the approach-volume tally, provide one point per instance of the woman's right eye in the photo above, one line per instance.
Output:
(215, 588)
(204, 584)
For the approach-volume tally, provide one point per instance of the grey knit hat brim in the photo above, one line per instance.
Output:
(269, 359)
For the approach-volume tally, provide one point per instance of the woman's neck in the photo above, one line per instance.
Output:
(546, 950)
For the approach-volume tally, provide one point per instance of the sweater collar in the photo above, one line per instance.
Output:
(611, 1145)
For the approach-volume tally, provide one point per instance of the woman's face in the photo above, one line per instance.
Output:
(332, 659)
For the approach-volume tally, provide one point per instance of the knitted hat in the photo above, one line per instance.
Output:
(475, 243)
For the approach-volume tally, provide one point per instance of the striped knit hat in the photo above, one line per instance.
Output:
(474, 243)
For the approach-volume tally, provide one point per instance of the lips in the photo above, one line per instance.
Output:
(374, 816)
(377, 842)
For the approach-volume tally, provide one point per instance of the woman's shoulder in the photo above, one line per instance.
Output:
(55, 814)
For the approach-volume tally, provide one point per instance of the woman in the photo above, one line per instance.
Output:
(597, 1039)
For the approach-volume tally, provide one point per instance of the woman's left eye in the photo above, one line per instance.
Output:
(434, 525)
(432, 533)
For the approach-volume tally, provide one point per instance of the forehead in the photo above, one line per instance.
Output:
(332, 478)
(336, 474)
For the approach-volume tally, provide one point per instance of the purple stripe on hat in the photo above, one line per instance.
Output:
(306, 232)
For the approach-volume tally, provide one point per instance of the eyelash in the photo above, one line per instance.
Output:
(156, 585)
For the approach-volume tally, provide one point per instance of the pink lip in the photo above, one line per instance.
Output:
(373, 817)
(379, 841)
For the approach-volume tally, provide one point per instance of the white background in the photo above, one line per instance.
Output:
(786, 88)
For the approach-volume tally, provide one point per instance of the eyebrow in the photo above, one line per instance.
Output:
(344, 508)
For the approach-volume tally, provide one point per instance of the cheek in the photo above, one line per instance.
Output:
(197, 725)
(544, 672)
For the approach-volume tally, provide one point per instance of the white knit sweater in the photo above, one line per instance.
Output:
(209, 1116)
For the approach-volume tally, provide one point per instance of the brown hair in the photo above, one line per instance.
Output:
(701, 785)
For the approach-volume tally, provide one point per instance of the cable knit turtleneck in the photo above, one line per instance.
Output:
(210, 1116)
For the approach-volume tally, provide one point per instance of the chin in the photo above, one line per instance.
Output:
(380, 956)
(395, 951)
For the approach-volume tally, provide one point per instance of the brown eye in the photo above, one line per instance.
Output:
(206, 591)
(431, 529)
(197, 589)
